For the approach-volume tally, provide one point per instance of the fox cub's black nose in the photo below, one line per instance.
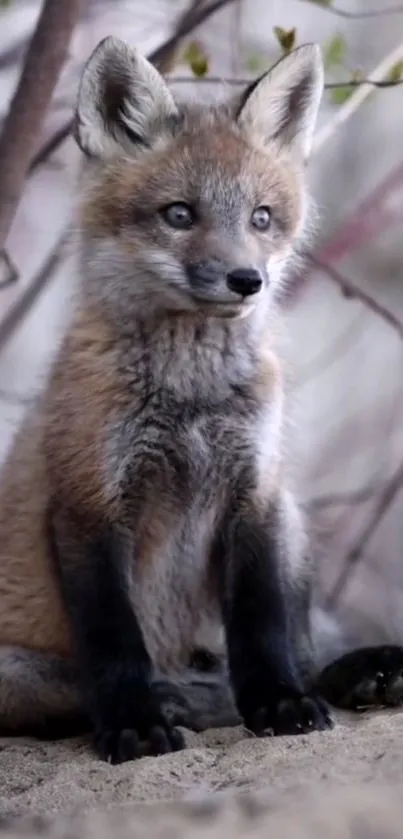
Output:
(244, 281)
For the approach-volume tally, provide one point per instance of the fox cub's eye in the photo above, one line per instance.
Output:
(261, 218)
(178, 215)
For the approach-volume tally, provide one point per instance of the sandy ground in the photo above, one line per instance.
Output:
(345, 781)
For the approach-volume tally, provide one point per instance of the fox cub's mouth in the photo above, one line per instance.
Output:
(225, 307)
(215, 303)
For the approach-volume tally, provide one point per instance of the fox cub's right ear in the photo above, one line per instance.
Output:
(123, 102)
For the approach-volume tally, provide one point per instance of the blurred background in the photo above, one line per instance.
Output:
(343, 312)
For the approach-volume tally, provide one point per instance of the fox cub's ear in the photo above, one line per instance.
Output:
(283, 104)
(123, 102)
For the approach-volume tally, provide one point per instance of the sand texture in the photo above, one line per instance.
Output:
(343, 783)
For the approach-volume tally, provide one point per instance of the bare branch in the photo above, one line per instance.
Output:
(198, 13)
(355, 553)
(10, 398)
(339, 499)
(241, 81)
(44, 61)
(371, 13)
(50, 146)
(351, 290)
(8, 271)
(353, 83)
(24, 303)
(12, 54)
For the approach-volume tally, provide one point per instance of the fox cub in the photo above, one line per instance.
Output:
(144, 504)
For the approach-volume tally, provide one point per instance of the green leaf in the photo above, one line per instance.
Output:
(335, 51)
(286, 37)
(197, 59)
(255, 62)
(396, 73)
(341, 94)
(322, 2)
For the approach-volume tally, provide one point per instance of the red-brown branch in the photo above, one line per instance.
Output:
(350, 290)
(44, 61)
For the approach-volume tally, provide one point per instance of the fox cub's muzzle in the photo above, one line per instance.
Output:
(213, 280)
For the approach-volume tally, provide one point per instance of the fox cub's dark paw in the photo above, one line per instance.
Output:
(370, 677)
(286, 712)
(147, 732)
(125, 744)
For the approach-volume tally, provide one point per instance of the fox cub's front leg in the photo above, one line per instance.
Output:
(263, 658)
(116, 668)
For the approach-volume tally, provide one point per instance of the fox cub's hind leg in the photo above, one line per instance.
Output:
(365, 678)
(263, 657)
(39, 695)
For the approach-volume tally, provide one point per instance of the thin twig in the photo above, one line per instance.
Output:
(12, 54)
(371, 13)
(10, 398)
(187, 24)
(356, 552)
(339, 499)
(24, 303)
(380, 73)
(382, 83)
(338, 350)
(10, 270)
(241, 81)
(351, 290)
(47, 149)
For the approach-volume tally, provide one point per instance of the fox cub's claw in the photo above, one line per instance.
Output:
(126, 744)
(147, 733)
(370, 677)
(288, 712)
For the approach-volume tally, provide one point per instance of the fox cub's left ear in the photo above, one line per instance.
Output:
(283, 104)
(123, 102)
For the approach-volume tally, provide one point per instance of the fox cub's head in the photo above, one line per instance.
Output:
(190, 207)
